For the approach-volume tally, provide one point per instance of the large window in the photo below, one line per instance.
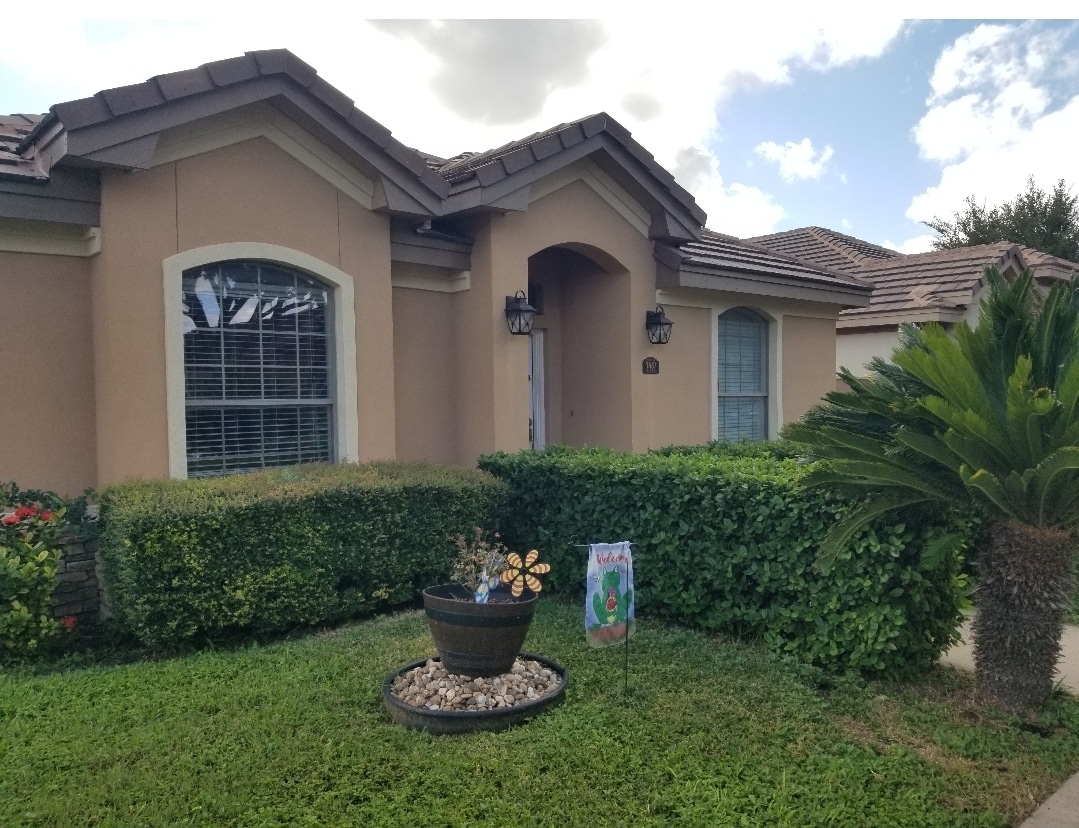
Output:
(257, 368)
(743, 376)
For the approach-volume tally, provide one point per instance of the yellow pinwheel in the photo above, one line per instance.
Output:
(520, 574)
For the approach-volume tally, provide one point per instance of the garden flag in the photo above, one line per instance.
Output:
(608, 609)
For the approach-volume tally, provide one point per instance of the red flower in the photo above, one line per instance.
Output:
(70, 621)
(24, 512)
(46, 515)
(9, 519)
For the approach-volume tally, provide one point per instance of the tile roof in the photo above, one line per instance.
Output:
(718, 250)
(942, 279)
(265, 73)
(539, 145)
(13, 132)
(940, 282)
(827, 247)
(117, 127)
(471, 169)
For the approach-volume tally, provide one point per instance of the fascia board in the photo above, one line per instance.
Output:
(86, 140)
(763, 286)
(865, 320)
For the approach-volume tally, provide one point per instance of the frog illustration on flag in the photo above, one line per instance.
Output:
(609, 604)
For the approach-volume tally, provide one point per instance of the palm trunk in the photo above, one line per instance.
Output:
(1025, 584)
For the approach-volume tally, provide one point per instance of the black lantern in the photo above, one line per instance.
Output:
(658, 326)
(519, 314)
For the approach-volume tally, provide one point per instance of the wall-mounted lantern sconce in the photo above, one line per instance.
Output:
(658, 326)
(519, 314)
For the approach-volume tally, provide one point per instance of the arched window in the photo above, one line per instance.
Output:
(742, 383)
(258, 384)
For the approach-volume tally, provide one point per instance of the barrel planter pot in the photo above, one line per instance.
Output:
(477, 639)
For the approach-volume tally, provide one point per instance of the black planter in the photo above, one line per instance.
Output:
(477, 639)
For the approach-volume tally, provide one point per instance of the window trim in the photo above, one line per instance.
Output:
(773, 314)
(343, 356)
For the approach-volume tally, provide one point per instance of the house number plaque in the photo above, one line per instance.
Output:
(650, 365)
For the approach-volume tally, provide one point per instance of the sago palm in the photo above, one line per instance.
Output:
(985, 420)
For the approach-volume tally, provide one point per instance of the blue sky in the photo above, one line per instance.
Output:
(773, 120)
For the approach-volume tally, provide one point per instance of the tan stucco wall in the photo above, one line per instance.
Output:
(576, 217)
(808, 363)
(248, 192)
(680, 409)
(46, 373)
(425, 362)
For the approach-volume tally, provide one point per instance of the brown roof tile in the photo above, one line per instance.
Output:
(827, 247)
(725, 252)
(206, 79)
(487, 167)
(13, 165)
(944, 279)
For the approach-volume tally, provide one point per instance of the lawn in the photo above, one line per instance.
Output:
(711, 733)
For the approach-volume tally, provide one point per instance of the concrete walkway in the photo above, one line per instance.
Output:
(1061, 810)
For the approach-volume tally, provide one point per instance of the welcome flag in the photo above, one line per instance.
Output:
(608, 608)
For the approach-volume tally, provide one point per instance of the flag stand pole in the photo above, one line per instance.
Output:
(625, 686)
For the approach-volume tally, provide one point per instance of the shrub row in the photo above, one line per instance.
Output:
(729, 543)
(276, 549)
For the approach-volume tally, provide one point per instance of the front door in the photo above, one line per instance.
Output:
(537, 422)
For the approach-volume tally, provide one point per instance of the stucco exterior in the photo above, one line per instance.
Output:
(419, 256)
(222, 196)
(47, 435)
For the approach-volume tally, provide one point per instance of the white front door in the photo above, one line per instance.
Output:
(537, 422)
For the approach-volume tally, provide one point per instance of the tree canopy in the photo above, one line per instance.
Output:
(1045, 221)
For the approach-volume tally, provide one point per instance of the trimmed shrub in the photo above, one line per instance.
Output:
(729, 543)
(276, 549)
(776, 449)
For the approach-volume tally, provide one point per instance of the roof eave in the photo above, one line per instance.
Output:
(866, 319)
(675, 216)
(759, 284)
(118, 127)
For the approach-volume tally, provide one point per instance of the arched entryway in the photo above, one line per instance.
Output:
(579, 380)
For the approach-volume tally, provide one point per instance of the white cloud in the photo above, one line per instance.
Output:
(797, 162)
(1004, 107)
(432, 83)
(917, 244)
(736, 209)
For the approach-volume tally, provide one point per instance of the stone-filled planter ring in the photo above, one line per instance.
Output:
(470, 721)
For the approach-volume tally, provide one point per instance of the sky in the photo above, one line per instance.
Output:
(772, 120)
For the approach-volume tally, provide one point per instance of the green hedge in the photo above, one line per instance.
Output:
(729, 543)
(276, 549)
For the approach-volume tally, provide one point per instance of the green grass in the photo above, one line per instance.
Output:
(711, 733)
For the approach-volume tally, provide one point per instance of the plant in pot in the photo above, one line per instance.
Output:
(480, 621)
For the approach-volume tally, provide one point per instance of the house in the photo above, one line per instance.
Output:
(232, 267)
(943, 286)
